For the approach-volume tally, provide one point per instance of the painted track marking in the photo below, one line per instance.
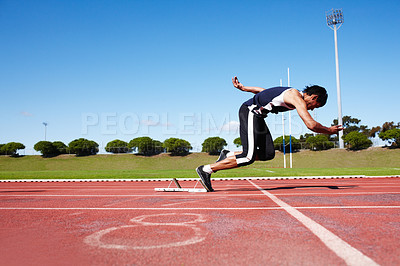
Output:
(198, 208)
(95, 238)
(184, 202)
(341, 248)
(196, 196)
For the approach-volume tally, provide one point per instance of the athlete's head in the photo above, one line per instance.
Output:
(320, 92)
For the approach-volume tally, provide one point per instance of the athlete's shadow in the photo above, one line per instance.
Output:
(291, 187)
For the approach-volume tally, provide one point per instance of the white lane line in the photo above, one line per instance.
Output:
(347, 207)
(163, 208)
(200, 208)
(316, 194)
(281, 186)
(334, 193)
(341, 248)
(141, 185)
(93, 189)
(174, 195)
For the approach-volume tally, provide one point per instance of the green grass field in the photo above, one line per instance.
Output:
(371, 162)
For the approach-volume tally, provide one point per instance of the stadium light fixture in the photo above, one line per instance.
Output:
(334, 19)
(45, 130)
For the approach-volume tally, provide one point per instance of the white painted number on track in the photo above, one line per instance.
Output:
(199, 235)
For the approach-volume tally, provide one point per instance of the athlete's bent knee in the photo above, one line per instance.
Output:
(245, 161)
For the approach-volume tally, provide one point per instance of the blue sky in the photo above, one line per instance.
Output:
(106, 70)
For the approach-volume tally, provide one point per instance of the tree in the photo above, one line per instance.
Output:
(374, 131)
(146, 146)
(11, 148)
(386, 126)
(83, 147)
(61, 147)
(1, 152)
(237, 142)
(389, 125)
(319, 142)
(213, 145)
(351, 124)
(303, 140)
(50, 149)
(357, 141)
(46, 148)
(391, 135)
(117, 146)
(278, 144)
(177, 146)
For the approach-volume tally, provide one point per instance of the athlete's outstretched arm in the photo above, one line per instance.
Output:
(240, 86)
(293, 97)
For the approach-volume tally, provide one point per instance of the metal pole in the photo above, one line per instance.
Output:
(283, 136)
(315, 118)
(334, 19)
(339, 101)
(290, 127)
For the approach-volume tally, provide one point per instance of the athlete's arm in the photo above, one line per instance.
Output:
(293, 97)
(240, 86)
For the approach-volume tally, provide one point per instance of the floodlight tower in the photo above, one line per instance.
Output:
(334, 19)
(45, 130)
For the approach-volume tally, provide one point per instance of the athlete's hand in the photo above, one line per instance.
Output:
(237, 84)
(336, 129)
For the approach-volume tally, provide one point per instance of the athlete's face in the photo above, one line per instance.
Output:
(311, 101)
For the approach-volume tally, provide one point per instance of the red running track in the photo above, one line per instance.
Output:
(245, 222)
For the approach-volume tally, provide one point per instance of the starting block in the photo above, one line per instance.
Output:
(179, 188)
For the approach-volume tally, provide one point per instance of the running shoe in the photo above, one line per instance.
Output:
(205, 178)
(222, 155)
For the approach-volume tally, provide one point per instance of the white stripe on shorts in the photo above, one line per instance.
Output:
(250, 137)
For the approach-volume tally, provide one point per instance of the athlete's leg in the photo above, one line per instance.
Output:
(265, 144)
(247, 136)
(228, 163)
(264, 147)
(264, 151)
(248, 122)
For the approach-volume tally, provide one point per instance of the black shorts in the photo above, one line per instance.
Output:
(255, 136)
